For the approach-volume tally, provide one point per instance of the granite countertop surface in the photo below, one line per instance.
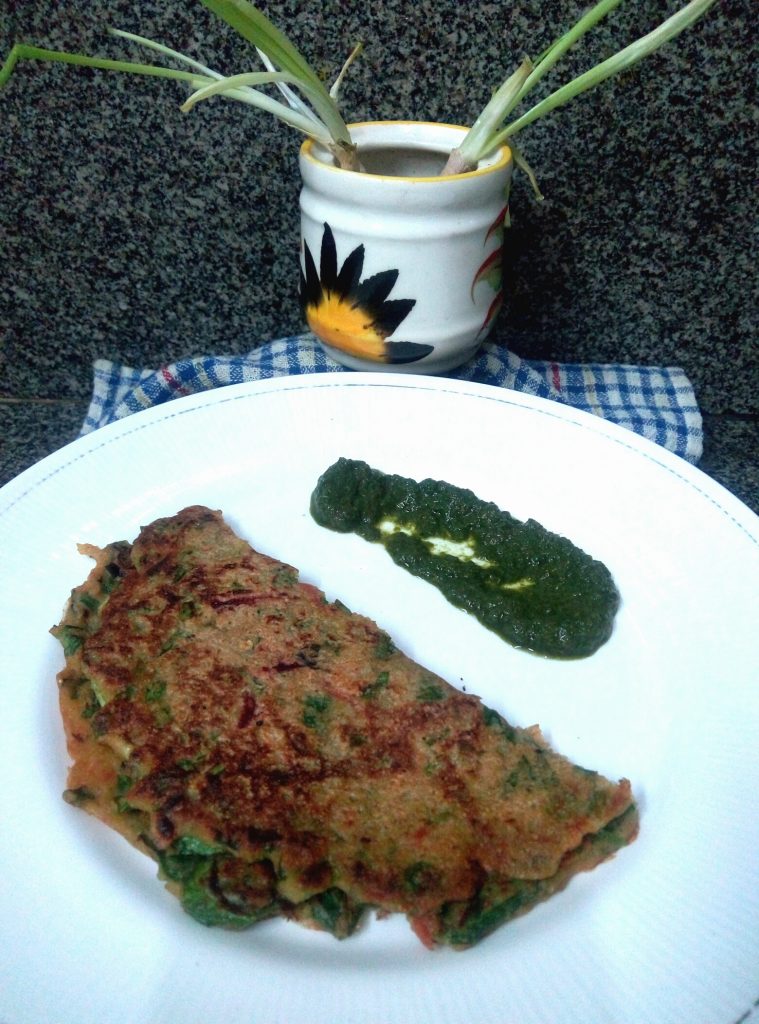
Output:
(135, 233)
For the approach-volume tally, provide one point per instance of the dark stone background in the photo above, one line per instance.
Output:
(134, 232)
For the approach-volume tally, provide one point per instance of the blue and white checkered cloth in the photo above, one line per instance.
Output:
(656, 402)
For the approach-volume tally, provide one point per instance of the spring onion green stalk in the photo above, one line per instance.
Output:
(308, 106)
(467, 156)
(254, 26)
(296, 114)
(483, 138)
(477, 143)
(319, 117)
(335, 87)
(21, 51)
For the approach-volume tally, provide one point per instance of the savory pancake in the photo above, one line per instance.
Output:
(277, 755)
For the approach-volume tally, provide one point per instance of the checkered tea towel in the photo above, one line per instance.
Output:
(657, 402)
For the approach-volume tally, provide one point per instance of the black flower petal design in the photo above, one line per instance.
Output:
(352, 315)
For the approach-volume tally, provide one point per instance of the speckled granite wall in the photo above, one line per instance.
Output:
(132, 231)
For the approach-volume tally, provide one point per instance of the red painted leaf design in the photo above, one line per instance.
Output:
(489, 271)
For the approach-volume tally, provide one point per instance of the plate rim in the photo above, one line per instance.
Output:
(16, 490)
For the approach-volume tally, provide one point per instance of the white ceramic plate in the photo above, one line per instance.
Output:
(668, 931)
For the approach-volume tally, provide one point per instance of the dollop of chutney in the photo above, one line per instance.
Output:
(535, 589)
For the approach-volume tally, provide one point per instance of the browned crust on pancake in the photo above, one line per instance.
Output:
(213, 696)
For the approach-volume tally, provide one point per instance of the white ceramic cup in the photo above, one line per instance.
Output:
(401, 268)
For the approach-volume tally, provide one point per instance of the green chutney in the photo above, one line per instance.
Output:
(535, 589)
